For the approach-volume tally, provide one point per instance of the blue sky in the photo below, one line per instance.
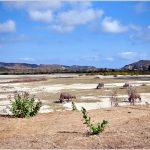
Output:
(101, 34)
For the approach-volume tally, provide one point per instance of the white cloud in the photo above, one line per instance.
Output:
(113, 26)
(37, 11)
(20, 38)
(75, 17)
(141, 7)
(42, 16)
(80, 5)
(17, 38)
(132, 55)
(37, 5)
(8, 26)
(140, 33)
(68, 20)
(129, 55)
(62, 29)
(80, 13)
(52, 12)
(135, 27)
(45, 5)
(110, 59)
(91, 58)
(27, 59)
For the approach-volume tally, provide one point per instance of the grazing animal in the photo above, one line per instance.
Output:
(100, 85)
(133, 96)
(66, 96)
(126, 85)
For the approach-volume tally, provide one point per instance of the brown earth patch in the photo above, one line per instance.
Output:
(129, 127)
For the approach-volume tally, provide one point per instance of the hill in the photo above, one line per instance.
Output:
(17, 65)
(44, 67)
(142, 65)
(25, 68)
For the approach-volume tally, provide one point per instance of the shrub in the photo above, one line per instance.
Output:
(93, 128)
(74, 106)
(114, 99)
(133, 95)
(25, 105)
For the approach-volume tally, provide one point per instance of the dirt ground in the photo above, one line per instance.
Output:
(128, 127)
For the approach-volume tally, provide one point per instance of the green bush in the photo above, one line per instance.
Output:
(93, 128)
(25, 105)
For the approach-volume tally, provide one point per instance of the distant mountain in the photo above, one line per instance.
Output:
(17, 65)
(141, 65)
(51, 67)
(76, 67)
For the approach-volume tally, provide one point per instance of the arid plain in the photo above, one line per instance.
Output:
(57, 126)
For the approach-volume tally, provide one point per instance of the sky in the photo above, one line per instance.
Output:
(101, 34)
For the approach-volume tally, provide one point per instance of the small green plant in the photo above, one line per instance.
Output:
(93, 128)
(74, 106)
(25, 105)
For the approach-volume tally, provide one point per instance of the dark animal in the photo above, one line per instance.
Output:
(133, 96)
(100, 85)
(66, 96)
(126, 85)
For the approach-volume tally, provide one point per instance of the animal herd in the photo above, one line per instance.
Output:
(132, 96)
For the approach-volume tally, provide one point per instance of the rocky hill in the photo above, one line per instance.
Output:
(141, 65)
(17, 65)
(51, 67)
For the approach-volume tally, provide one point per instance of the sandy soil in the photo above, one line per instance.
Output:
(129, 127)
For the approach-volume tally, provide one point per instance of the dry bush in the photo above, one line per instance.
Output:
(131, 90)
(113, 98)
(133, 95)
